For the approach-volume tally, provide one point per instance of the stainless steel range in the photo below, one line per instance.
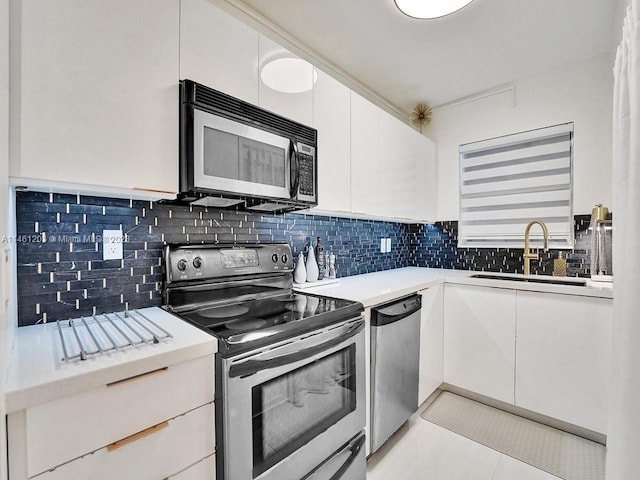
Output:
(290, 370)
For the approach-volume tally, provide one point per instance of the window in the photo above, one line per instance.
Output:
(506, 182)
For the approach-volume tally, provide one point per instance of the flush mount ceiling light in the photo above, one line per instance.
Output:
(430, 8)
(289, 75)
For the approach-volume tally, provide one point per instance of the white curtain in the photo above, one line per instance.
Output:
(623, 442)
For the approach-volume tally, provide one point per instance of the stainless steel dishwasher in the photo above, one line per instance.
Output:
(395, 350)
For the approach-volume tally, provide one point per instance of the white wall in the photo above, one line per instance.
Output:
(581, 93)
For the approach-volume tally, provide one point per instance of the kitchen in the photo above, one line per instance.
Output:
(52, 149)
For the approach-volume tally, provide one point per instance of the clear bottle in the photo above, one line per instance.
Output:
(320, 257)
(332, 265)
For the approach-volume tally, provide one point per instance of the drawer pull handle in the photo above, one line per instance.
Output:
(136, 377)
(137, 436)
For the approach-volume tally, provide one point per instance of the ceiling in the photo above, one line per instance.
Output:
(404, 61)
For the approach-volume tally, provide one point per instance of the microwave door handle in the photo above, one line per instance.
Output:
(254, 366)
(295, 169)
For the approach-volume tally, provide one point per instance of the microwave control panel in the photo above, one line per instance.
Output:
(307, 172)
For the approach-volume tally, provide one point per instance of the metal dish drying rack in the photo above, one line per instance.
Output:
(82, 337)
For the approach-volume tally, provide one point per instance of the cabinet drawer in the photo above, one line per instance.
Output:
(152, 455)
(62, 430)
(205, 469)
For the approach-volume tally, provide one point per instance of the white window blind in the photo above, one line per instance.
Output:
(507, 182)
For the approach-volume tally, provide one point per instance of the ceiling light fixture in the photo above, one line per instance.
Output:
(430, 8)
(288, 75)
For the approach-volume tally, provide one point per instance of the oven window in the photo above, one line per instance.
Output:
(292, 409)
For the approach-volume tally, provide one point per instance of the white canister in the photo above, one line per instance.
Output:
(300, 272)
(312, 265)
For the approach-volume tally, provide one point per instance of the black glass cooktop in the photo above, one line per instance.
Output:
(246, 325)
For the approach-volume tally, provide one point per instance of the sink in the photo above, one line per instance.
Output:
(530, 279)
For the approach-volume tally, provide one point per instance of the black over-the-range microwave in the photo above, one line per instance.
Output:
(234, 153)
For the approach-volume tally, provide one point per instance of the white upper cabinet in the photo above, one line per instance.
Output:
(217, 50)
(392, 166)
(94, 92)
(397, 168)
(424, 201)
(332, 119)
(295, 106)
(365, 156)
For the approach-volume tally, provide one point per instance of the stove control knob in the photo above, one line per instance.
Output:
(182, 264)
(197, 262)
(274, 258)
(285, 258)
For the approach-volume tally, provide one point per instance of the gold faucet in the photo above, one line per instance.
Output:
(528, 255)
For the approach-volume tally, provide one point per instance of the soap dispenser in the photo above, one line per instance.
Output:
(560, 265)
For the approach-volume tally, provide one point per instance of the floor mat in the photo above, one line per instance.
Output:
(559, 453)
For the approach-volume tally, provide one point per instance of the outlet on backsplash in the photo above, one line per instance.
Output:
(112, 243)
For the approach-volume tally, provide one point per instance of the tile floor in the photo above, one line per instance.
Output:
(421, 450)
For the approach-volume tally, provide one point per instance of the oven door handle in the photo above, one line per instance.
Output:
(249, 367)
(355, 448)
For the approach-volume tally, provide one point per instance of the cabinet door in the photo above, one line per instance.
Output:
(479, 340)
(367, 384)
(431, 342)
(205, 469)
(96, 93)
(217, 50)
(424, 200)
(562, 357)
(397, 168)
(332, 119)
(153, 454)
(69, 427)
(296, 106)
(365, 155)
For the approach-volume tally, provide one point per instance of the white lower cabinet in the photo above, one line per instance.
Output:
(544, 352)
(205, 469)
(153, 454)
(367, 383)
(431, 344)
(121, 430)
(479, 340)
(562, 357)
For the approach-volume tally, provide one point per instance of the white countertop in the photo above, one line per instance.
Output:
(36, 372)
(379, 287)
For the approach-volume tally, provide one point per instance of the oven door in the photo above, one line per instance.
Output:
(229, 156)
(289, 408)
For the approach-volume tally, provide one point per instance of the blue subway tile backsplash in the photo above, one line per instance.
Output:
(61, 273)
(436, 246)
